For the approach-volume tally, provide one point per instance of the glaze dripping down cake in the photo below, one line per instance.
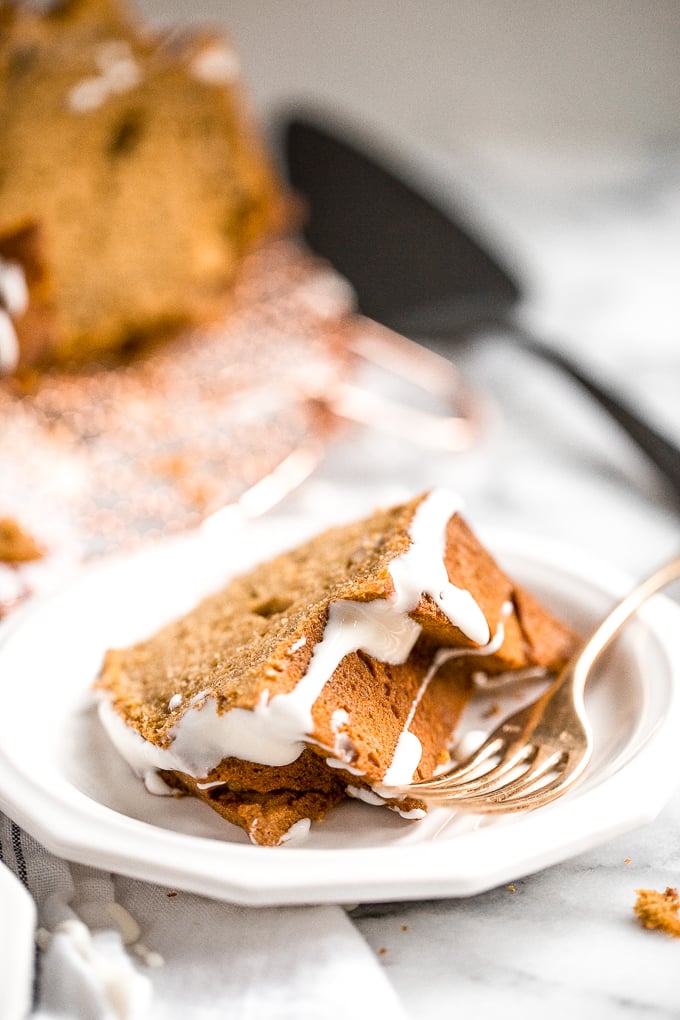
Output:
(340, 668)
(132, 180)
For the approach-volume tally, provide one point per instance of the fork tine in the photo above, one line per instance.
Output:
(508, 741)
(528, 802)
(491, 746)
(452, 784)
(523, 801)
(558, 785)
(539, 765)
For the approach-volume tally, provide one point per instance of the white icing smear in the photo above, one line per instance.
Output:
(408, 752)
(216, 64)
(202, 738)
(297, 832)
(343, 746)
(414, 813)
(339, 719)
(421, 570)
(13, 288)
(405, 760)
(9, 345)
(117, 64)
(156, 785)
(274, 732)
(119, 72)
(13, 304)
(337, 763)
(368, 796)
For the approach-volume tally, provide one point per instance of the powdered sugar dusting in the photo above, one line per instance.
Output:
(125, 454)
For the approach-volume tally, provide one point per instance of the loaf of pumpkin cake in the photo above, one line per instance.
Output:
(132, 180)
(340, 668)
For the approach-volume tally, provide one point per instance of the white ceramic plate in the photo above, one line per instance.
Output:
(61, 779)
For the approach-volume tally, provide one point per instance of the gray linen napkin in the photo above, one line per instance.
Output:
(113, 948)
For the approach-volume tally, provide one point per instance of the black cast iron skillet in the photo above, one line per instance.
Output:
(417, 271)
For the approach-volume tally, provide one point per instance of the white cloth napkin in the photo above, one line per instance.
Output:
(112, 948)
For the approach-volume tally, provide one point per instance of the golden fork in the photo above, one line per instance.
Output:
(539, 752)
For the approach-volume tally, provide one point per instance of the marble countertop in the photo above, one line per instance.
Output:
(600, 253)
(566, 938)
(563, 940)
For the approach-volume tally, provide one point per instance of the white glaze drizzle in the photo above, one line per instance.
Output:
(141, 754)
(296, 833)
(13, 304)
(216, 64)
(275, 730)
(373, 798)
(421, 570)
(361, 793)
(343, 745)
(9, 344)
(119, 72)
(156, 785)
(13, 288)
(412, 813)
(408, 751)
(484, 682)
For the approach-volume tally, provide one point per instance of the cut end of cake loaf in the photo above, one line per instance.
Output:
(132, 180)
(319, 674)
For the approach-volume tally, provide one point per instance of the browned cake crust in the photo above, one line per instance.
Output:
(260, 633)
(131, 177)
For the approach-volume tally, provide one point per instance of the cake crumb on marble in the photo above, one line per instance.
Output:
(659, 910)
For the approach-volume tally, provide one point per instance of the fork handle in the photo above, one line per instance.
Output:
(602, 637)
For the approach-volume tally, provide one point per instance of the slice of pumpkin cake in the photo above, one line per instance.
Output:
(321, 674)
